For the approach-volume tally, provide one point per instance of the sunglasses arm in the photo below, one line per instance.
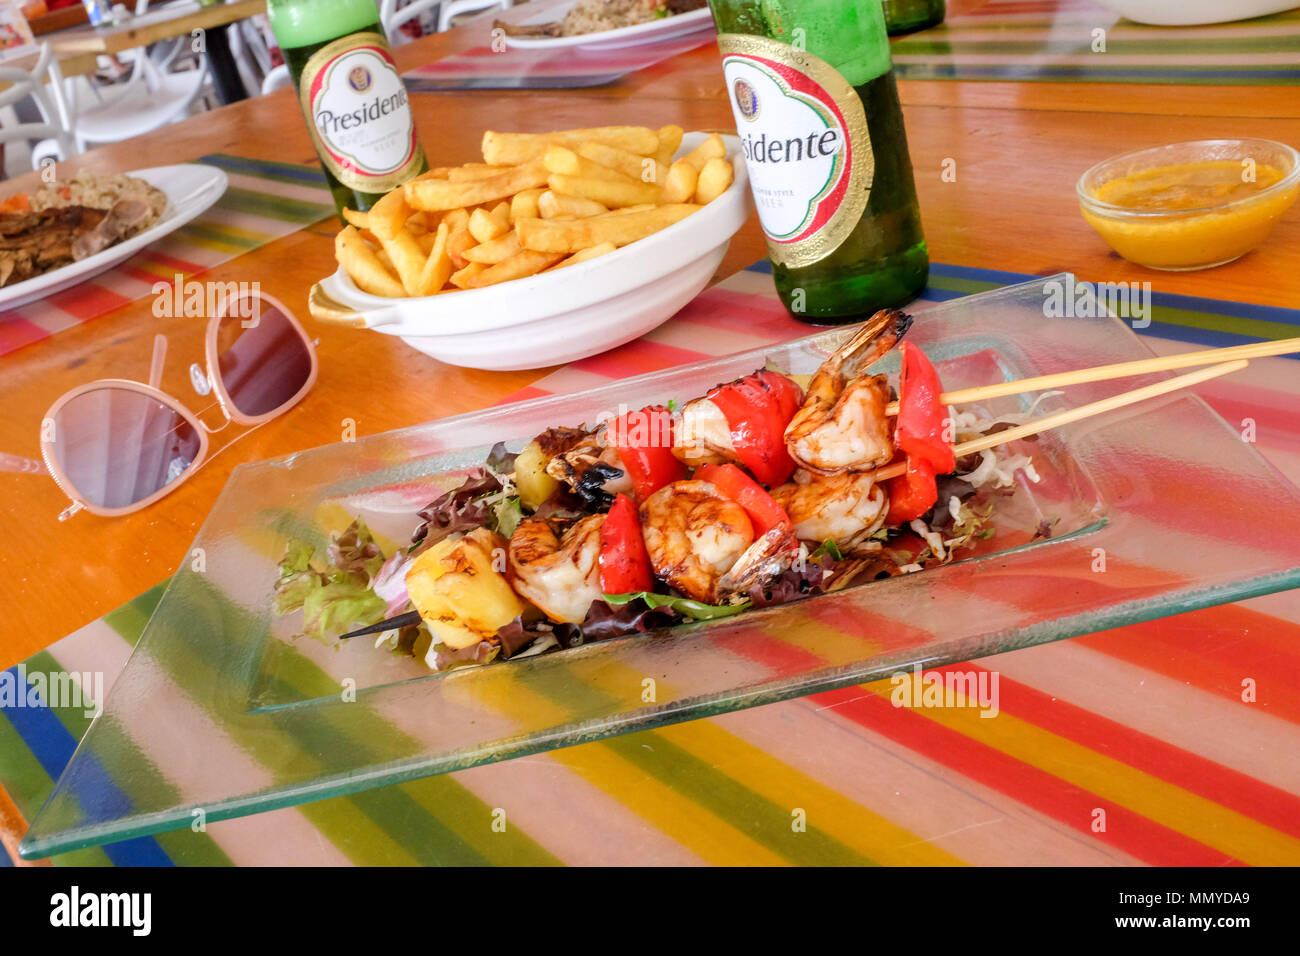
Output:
(159, 357)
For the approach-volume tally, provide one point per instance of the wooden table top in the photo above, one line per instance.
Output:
(1018, 148)
(159, 23)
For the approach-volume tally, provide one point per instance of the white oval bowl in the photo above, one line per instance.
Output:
(578, 311)
(1185, 13)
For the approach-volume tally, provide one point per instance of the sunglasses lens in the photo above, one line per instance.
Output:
(262, 360)
(118, 446)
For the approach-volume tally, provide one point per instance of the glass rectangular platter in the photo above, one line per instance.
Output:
(1154, 510)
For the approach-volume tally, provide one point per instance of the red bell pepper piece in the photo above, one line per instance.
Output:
(764, 511)
(644, 441)
(912, 494)
(758, 408)
(624, 561)
(922, 420)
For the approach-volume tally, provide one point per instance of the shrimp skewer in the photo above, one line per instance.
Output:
(703, 544)
(846, 509)
(842, 424)
(556, 567)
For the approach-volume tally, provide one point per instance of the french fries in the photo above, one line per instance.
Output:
(515, 148)
(714, 179)
(607, 192)
(538, 202)
(574, 235)
(679, 185)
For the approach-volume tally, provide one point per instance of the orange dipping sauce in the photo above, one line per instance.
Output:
(1190, 215)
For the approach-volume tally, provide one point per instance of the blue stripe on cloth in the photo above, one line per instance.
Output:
(4, 858)
(240, 164)
(1165, 300)
(1241, 310)
(52, 746)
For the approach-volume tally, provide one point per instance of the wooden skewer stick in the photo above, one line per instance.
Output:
(1101, 373)
(1075, 414)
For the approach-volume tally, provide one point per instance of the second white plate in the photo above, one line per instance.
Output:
(190, 187)
(642, 33)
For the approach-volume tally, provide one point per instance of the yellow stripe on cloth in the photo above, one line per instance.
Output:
(700, 831)
(836, 815)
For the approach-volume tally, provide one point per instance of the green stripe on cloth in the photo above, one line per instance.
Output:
(1232, 324)
(1061, 46)
(283, 208)
(759, 818)
(652, 753)
(292, 173)
(406, 815)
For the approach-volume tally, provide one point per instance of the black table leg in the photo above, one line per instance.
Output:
(225, 75)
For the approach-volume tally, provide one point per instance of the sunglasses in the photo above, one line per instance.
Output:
(115, 446)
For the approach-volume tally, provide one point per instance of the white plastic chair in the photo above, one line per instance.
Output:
(149, 99)
(251, 53)
(153, 95)
(278, 77)
(391, 17)
(54, 132)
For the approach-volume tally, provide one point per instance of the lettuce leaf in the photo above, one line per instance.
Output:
(695, 610)
(297, 577)
(344, 603)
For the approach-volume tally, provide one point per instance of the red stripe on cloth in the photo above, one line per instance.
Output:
(140, 275)
(637, 358)
(1230, 788)
(1276, 423)
(530, 391)
(15, 332)
(1191, 649)
(1067, 803)
(1051, 796)
(742, 312)
(87, 300)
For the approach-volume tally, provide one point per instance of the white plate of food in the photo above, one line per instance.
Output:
(569, 311)
(78, 228)
(607, 24)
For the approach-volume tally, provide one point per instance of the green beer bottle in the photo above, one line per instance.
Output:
(812, 88)
(906, 16)
(353, 100)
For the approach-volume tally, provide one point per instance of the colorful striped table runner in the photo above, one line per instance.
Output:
(1144, 729)
(1082, 41)
(265, 200)
(485, 68)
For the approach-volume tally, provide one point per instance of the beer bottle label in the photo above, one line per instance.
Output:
(359, 114)
(804, 135)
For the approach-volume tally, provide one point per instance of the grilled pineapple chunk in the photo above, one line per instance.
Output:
(459, 592)
(531, 479)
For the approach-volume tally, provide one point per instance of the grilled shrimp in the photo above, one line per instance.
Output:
(763, 561)
(581, 460)
(555, 567)
(703, 436)
(846, 508)
(694, 536)
(842, 425)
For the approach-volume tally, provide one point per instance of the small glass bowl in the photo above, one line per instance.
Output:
(1183, 239)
